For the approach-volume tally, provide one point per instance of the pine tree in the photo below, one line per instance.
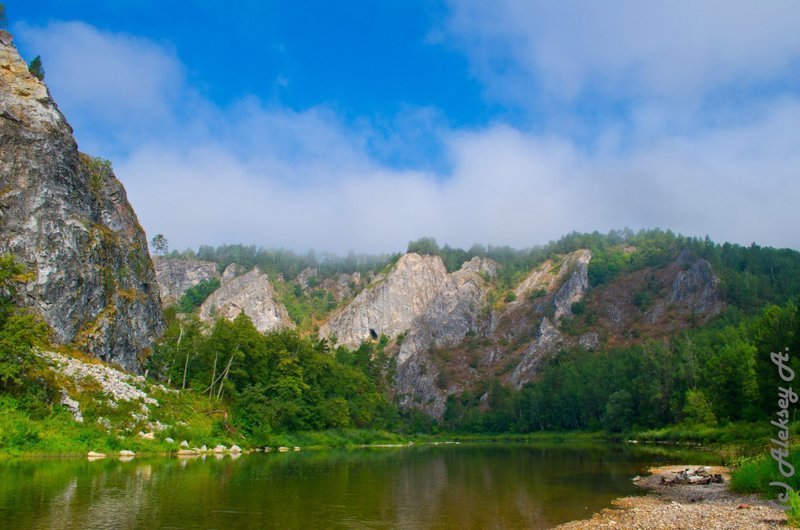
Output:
(36, 69)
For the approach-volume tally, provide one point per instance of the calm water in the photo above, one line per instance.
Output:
(445, 486)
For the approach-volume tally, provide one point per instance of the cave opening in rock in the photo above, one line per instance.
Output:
(373, 334)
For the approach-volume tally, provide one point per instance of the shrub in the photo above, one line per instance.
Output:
(195, 296)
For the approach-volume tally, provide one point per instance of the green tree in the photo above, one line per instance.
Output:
(619, 414)
(36, 69)
(20, 330)
(424, 245)
(159, 245)
(196, 295)
(698, 408)
(731, 377)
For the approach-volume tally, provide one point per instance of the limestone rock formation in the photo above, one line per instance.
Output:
(453, 311)
(176, 276)
(687, 289)
(541, 280)
(589, 341)
(308, 278)
(391, 303)
(67, 217)
(340, 287)
(452, 314)
(698, 288)
(231, 271)
(251, 293)
(576, 269)
(547, 340)
(343, 286)
(567, 277)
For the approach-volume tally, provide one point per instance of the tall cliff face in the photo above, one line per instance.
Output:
(448, 335)
(67, 217)
(452, 314)
(251, 293)
(391, 303)
(424, 307)
(176, 276)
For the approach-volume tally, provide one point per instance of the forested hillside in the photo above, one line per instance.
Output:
(709, 376)
(707, 370)
(752, 276)
(697, 371)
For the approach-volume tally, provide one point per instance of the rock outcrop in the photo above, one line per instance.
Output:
(567, 279)
(576, 269)
(176, 276)
(231, 271)
(308, 278)
(452, 313)
(66, 216)
(698, 288)
(251, 293)
(393, 301)
(546, 342)
(422, 306)
(656, 301)
(340, 287)
(540, 281)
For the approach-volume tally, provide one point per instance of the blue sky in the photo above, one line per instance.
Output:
(362, 125)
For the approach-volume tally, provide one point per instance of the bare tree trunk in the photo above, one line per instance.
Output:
(174, 358)
(185, 368)
(213, 376)
(225, 376)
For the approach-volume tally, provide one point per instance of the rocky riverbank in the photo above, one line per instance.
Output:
(685, 506)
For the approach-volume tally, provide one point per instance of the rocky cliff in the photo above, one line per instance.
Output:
(438, 318)
(341, 287)
(452, 332)
(653, 302)
(176, 276)
(390, 304)
(452, 314)
(231, 271)
(251, 293)
(67, 217)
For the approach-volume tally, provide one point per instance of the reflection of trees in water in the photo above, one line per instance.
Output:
(420, 487)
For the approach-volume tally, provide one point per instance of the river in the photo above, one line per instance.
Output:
(426, 486)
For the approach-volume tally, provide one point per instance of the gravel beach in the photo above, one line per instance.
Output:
(710, 506)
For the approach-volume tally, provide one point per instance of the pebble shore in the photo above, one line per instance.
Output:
(711, 506)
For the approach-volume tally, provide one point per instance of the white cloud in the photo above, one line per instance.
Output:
(126, 86)
(626, 48)
(267, 175)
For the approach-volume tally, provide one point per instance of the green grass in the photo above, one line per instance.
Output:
(751, 433)
(57, 433)
(753, 475)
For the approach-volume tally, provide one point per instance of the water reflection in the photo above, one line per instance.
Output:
(490, 486)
